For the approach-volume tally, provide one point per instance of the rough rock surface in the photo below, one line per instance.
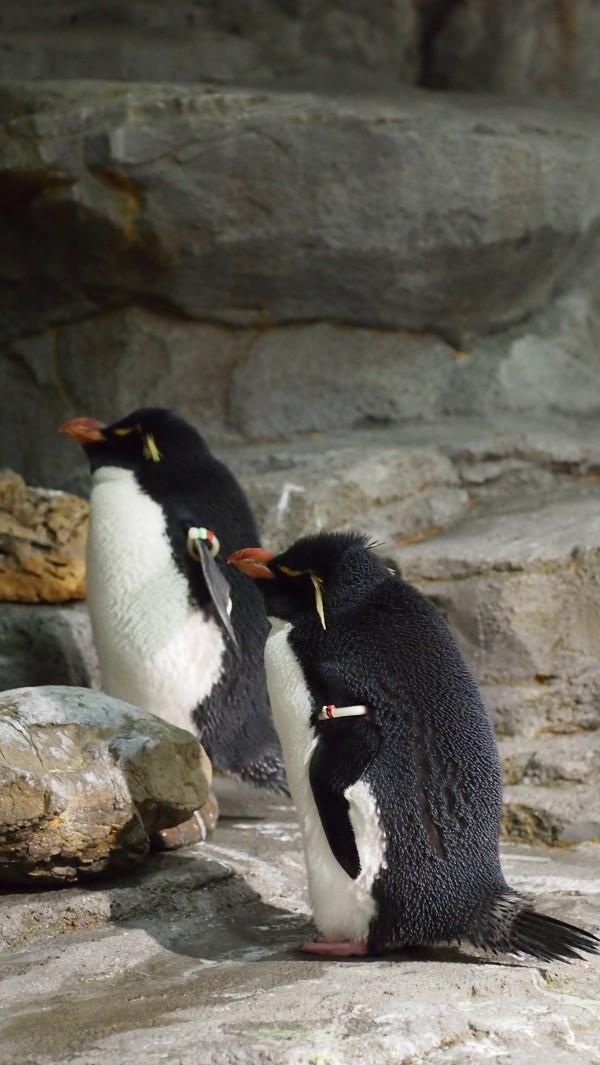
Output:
(518, 48)
(498, 520)
(85, 780)
(448, 264)
(189, 963)
(499, 523)
(514, 47)
(44, 644)
(389, 491)
(125, 170)
(367, 42)
(42, 543)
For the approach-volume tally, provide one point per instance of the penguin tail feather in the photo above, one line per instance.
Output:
(510, 925)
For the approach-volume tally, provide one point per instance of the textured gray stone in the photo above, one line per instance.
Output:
(140, 266)
(386, 491)
(369, 41)
(186, 963)
(551, 362)
(326, 377)
(520, 582)
(41, 644)
(232, 206)
(85, 781)
(519, 48)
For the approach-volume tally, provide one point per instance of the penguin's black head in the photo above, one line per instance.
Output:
(149, 441)
(317, 574)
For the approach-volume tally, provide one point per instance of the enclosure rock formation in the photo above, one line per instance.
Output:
(42, 543)
(359, 247)
(85, 781)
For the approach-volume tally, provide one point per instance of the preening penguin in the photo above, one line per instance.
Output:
(391, 760)
(177, 633)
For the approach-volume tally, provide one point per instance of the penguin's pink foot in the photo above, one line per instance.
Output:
(337, 950)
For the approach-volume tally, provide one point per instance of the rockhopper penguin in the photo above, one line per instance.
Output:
(176, 632)
(391, 760)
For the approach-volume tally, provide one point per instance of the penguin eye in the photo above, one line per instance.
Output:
(149, 443)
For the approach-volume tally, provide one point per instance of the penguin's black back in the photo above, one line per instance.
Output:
(428, 755)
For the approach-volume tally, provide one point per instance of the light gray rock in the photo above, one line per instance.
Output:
(498, 206)
(557, 815)
(386, 491)
(519, 580)
(550, 363)
(42, 644)
(85, 781)
(186, 956)
(326, 377)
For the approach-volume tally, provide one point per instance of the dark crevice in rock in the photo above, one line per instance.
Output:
(434, 16)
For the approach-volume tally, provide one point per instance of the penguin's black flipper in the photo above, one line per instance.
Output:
(216, 582)
(344, 751)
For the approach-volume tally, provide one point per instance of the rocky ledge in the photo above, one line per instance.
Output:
(198, 953)
(85, 781)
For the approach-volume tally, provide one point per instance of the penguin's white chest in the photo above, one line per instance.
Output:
(343, 908)
(156, 648)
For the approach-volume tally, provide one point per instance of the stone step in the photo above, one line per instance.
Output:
(504, 519)
(560, 814)
(498, 521)
(550, 759)
(518, 578)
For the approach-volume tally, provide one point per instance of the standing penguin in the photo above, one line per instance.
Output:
(391, 760)
(174, 634)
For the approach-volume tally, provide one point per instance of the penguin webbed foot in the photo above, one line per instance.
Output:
(344, 949)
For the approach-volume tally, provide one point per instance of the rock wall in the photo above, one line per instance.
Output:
(362, 260)
(359, 246)
(517, 47)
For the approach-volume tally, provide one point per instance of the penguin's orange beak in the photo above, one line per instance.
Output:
(252, 561)
(86, 430)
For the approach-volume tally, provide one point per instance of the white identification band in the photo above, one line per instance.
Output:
(342, 711)
(211, 539)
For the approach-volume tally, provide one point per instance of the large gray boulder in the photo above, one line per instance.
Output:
(448, 214)
(233, 256)
(85, 781)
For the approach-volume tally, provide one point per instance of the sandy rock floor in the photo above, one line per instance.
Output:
(191, 964)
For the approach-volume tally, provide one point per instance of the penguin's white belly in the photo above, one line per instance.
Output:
(156, 649)
(342, 907)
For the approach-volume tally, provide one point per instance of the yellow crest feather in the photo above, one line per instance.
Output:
(319, 597)
(150, 449)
